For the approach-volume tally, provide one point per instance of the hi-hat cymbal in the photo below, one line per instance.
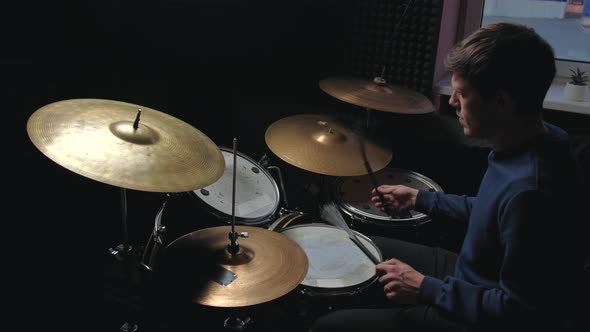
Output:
(322, 144)
(97, 138)
(198, 266)
(377, 94)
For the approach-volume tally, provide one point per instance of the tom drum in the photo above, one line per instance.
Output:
(257, 195)
(353, 196)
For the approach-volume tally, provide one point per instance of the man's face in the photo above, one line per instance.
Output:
(476, 115)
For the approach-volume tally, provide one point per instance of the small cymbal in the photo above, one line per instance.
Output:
(321, 144)
(198, 266)
(376, 94)
(96, 138)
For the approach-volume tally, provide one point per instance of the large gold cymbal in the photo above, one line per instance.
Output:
(324, 145)
(198, 266)
(376, 94)
(96, 138)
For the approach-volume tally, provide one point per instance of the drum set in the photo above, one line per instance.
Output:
(260, 249)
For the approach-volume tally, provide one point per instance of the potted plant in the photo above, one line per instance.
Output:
(577, 86)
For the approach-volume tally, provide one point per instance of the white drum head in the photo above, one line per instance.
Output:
(353, 193)
(257, 195)
(334, 260)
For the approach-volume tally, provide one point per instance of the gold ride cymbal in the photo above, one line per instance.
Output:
(322, 144)
(199, 267)
(96, 138)
(377, 94)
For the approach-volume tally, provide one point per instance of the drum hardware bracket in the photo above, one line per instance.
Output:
(234, 247)
(125, 328)
(283, 191)
(264, 160)
(236, 323)
(158, 234)
(156, 237)
(120, 252)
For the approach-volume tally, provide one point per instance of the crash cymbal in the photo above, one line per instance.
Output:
(321, 144)
(376, 94)
(96, 138)
(198, 266)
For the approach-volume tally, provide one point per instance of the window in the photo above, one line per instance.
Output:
(565, 24)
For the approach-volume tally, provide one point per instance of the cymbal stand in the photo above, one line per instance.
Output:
(122, 253)
(235, 322)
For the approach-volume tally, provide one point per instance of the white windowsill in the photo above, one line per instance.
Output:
(553, 101)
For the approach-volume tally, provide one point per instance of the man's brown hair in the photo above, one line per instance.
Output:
(507, 56)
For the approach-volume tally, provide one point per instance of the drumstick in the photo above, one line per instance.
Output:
(386, 207)
(370, 171)
(331, 214)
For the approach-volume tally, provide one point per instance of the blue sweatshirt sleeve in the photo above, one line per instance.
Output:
(455, 296)
(440, 204)
(521, 289)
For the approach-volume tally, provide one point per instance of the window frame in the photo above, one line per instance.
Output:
(472, 19)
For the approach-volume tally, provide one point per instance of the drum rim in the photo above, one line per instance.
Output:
(283, 214)
(353, 212)
(242, 220)
(337, 289)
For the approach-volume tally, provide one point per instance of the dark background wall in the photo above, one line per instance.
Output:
(229, 68)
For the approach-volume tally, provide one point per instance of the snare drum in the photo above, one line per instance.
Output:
(257, 194)
(353, 196)
(338, 270)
